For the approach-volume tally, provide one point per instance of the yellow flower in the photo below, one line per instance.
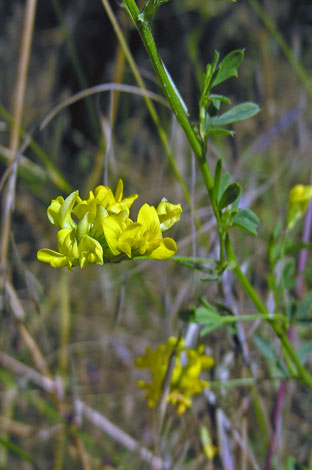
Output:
(168, 214)
(185, 380)
(150, 241)
(99, 229)
(299, 199)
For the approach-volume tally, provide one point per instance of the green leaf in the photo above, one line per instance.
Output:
(219, 131)
(237, 113)
(218, 99)
(228, 67)
(230, 195)
(224, 183)
(207, 317)
(210, 70)
(293, 248)
(247, 220)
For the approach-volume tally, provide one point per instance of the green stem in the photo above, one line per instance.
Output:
(229, 319)
(291, 356)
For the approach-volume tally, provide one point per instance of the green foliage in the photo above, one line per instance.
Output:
(210, 103)
(247, 220)
(230, 195)
(237, 113)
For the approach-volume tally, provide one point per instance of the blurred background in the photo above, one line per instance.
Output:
(89, 326)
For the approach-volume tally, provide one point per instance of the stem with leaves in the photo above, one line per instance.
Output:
(198, 143)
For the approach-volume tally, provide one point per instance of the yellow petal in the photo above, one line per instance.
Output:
(55, 259)
(113, 226)
(299, 199)
(54, 210)
(149, 220)
(90, 251)
(167, 248)
(300, 193)
(128, 238)
(119, 190)
(83, 226)
(65, 217)
(104, 195)
(168, 214)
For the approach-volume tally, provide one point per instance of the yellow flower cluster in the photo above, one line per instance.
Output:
(99, 229)
(299, 199)
(185, 379)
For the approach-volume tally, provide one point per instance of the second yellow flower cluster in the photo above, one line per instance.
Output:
(185, 379)
(99, 229)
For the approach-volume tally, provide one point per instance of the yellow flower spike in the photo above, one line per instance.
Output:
(185, 380)
(299, 199)
(168, 214)
(111, 235)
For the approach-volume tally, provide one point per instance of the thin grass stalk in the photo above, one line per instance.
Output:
(18, 104)
(9, 198)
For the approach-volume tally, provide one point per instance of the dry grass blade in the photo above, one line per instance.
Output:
(30, 10)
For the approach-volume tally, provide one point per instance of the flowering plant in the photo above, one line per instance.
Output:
(99, 229)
